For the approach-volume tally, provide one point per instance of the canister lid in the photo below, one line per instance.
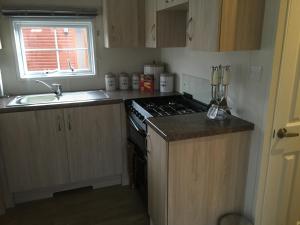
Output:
(154, 65)
(109, 75)
(123, 74)
(167, 75)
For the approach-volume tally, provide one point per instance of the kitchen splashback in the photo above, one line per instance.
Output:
(196, 86)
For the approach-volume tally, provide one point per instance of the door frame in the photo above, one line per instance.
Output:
(271, 106)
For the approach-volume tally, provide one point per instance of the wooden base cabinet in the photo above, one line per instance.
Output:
(94, 142)
(48, 148)
(34, 149)
(197, 180)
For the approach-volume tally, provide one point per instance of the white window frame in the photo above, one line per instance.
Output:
(43, 22)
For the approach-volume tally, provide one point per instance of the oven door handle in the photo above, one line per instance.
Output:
(136, 127)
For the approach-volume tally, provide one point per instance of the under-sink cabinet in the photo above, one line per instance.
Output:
(48, 148)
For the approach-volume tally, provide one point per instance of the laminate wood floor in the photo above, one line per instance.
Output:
(108, 206)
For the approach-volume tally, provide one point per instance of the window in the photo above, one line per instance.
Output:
(47, 48)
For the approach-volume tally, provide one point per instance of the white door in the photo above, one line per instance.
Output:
(282, 194)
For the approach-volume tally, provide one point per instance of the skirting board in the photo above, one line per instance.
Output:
(44, 193)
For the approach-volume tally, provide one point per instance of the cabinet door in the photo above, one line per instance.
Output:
(203, 24)
(94, 141)
(157, 178)
(150, 23)
(241, 25)
(34, 149)
(124, 23)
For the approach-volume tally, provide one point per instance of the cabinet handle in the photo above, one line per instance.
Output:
(152, 32)
(148, 144)
(58, 123)
(69, 122)
(189, 36)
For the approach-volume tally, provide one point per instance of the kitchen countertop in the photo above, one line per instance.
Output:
(180, 127)
(114, 97)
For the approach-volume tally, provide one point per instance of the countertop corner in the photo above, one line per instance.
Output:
(181, 127)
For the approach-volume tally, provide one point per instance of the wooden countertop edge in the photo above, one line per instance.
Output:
(118, 97)
(206, 133)
(59, 106)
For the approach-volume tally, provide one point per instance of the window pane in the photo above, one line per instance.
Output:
(72, 38)
(59, 47)
(76, 59)
(38, 38)
(41, 60)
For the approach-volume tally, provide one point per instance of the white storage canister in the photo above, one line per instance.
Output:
(110, 82)
(124, 81)
(135, 81)
(166, 82)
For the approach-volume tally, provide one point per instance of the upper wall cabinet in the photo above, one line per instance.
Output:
(166, 28)
(225, 25)
(165, 4)
(124, 23)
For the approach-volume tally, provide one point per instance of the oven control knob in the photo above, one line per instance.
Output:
(141, 117)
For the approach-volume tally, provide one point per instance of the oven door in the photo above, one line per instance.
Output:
(137, 135)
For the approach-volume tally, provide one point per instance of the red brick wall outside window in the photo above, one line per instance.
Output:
(55, 49)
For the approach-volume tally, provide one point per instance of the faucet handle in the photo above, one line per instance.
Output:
(58, 89)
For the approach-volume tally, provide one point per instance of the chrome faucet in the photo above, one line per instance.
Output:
(55, 88)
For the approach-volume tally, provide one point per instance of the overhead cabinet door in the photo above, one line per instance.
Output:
(225, 25)
(94, 141)
(124, 23)
(34, 150)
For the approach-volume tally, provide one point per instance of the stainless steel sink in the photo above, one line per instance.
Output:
(67, 97)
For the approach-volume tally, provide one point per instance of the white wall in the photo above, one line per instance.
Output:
(107, 60)
(248, 91)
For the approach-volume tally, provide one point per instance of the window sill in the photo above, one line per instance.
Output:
(43, 76)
